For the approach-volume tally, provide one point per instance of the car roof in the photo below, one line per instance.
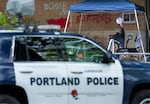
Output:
(11, 33)
(36, 30)
(16, 32)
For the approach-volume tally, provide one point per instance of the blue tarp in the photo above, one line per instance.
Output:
(105, 5)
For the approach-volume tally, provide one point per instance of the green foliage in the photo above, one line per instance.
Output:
(3, 19)
(7, 23)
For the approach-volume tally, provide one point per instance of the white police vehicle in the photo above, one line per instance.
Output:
(65, 68)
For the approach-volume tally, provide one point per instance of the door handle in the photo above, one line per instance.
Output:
(26, 72)
(77, 72)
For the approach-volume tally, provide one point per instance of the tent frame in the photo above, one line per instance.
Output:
(137, 25)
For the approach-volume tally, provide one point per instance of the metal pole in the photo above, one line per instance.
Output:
(67, 21)
(136, 18)
(80, 23)
(147, 25)
(138, 27)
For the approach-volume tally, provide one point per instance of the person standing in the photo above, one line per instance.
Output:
(120, 35)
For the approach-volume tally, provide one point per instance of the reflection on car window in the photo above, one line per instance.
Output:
(39, 49)
(5, 45)
(83, 51)
(56, 49)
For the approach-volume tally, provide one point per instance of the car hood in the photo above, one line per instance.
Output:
(135, 64)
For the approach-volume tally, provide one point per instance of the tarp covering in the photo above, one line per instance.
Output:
(23, 7)
(105, 5)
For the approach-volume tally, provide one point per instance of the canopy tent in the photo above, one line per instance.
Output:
(105, 5)
(94, 6)
(90, 6)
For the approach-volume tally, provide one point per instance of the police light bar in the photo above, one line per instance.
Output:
(49, 27)
(11, 31)
(40, 28)
(35, 28)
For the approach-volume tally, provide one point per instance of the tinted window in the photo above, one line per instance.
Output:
(83, 51)
(56, 49)
(39, 49)
(5, 46)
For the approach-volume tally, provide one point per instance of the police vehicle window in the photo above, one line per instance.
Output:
(83, 51)
(39, 49)
(5, 45)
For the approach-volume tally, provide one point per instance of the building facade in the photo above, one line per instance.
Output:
(99, 26)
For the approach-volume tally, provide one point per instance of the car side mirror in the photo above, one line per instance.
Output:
(130, 37)
(107, 59)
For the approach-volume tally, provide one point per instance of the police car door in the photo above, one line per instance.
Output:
(40, 70)
(98, 82)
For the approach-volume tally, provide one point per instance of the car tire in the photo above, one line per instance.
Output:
(7, 99)
(141, 97)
